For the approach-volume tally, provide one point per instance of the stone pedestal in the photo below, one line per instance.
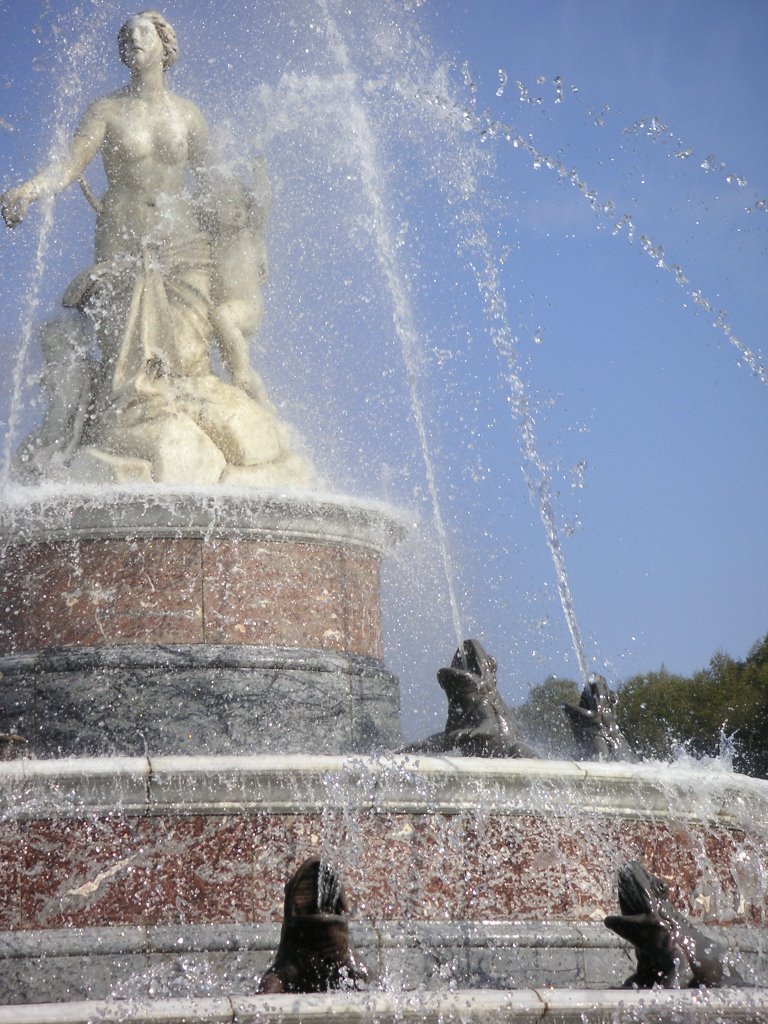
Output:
(174, 624)
(156, 626)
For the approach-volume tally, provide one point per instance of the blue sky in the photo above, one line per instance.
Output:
(652, 431)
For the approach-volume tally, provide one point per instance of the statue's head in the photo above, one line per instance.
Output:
(472, 657)
(163, 29)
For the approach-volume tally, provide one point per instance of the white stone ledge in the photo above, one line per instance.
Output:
(74, 787)
(119, 940)
(37, 515)
(556, 1006)
(394, 934)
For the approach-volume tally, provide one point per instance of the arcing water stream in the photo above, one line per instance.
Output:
(73, 71)
(474, 237)
(372, 183)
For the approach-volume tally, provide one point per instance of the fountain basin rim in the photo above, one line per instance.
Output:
(396, 932)
(468, 1005)
(78, 787)
(36, 515)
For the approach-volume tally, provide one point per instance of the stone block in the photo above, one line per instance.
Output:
(217, 700)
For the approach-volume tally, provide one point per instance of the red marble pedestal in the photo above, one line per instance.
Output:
(181, 624)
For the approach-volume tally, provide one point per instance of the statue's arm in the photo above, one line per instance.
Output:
(56, 176)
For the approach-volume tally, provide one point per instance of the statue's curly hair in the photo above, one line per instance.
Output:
(165, 31)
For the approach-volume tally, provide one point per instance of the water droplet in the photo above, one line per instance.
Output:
(467, 76)
(711, 163)
(578, 472)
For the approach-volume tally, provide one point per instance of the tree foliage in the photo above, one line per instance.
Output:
(659, 712)
(541, 718)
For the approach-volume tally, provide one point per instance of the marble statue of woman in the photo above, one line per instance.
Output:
(154, 298)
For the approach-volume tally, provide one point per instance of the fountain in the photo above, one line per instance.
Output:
(193, 651)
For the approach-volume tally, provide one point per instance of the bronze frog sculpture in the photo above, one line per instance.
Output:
(479, 722)
(314, 953)
(666, 944)
(595, 725)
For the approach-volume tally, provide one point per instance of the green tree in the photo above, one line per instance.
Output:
(658, 711)
(655, 711)
(541, 717)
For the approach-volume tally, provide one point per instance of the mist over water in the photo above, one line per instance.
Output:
(409, 334)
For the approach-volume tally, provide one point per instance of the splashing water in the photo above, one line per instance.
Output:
(73, 73)
(328, 888)
(27, 333)
(402, 310)
(536, 472)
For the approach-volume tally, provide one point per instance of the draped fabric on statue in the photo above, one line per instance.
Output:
(150, 309)
(155, 396)
(167, 330)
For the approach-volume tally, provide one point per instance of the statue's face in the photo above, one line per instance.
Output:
(140, 45)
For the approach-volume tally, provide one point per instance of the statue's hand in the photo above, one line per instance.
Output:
(14, 205)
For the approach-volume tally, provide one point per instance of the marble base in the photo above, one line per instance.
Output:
(156, 884)
(223, 699)
(166, 963)
(106, 568)
(169, 841)
(168, 622)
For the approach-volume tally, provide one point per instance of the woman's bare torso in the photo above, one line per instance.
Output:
(147, 148)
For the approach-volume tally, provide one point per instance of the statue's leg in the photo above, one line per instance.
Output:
(232, 321)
